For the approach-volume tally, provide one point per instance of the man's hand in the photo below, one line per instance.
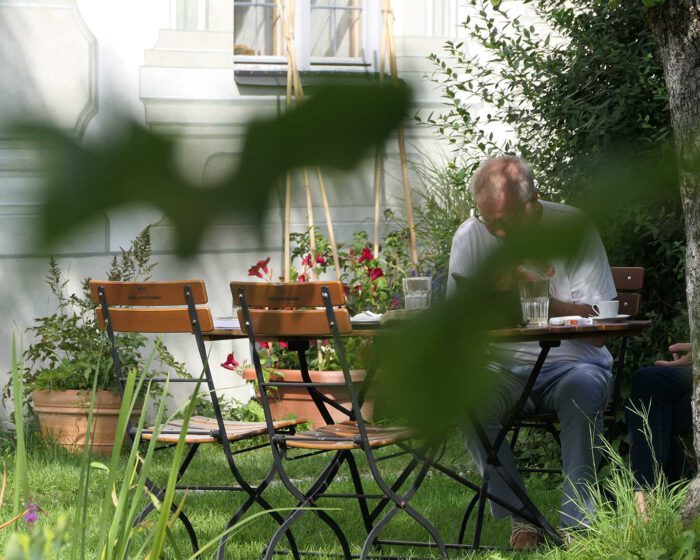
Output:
(679, 360)
(558, 308)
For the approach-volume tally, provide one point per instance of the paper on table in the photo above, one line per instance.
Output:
(226, 323)
(366, 317)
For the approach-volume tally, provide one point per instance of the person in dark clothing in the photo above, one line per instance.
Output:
(662, 392)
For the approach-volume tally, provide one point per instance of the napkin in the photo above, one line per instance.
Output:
(366, 317)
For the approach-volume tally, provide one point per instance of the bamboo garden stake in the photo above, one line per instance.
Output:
(293, 71)
(388, 16)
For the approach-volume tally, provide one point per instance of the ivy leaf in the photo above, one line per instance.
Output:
(334, 128)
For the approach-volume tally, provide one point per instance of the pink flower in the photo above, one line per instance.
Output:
(230, 363)
(283, 345)
(320, 260)
(30, 514)
(366, 255)
(265, 345)
(375, 273)
(306, 261)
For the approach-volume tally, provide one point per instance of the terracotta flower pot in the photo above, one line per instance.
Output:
(296, 400)
(63, 416)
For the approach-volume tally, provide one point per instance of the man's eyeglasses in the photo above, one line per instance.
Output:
(506, 225)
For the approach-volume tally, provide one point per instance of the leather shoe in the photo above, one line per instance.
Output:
(525, 536)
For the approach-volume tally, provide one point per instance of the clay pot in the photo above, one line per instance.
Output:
(63, 416)
(297, 402)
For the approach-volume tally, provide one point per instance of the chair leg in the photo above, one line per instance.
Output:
(256, 497)
(465, 518)
(401, 503)
(482, 506)
(182, 516)
(359, 490)
(306, 500)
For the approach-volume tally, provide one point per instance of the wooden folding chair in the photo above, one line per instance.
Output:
(298, 314)
(177, 307)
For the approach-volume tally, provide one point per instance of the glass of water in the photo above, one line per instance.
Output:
(534, 299)
(416, 292)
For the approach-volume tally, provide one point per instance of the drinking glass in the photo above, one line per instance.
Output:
(534, 299)
(416, 292)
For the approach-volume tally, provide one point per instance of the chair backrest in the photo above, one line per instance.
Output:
(629, 281)
(298, 313)
(151, 306)
(282, 310)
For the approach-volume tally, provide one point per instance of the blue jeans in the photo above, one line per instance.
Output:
(578, 393)
(664, 394)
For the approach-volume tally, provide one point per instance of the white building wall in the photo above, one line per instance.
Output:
(81, 62)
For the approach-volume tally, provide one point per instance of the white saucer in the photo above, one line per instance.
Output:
(613, 319)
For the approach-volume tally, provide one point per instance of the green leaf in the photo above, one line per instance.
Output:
(334, 128)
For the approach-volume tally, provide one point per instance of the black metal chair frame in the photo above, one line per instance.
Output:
(253, 492)
(421, 459)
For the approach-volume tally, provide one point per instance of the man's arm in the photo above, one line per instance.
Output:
(558, 308)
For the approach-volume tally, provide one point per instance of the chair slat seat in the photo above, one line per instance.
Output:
(346, 435)
(235, 430)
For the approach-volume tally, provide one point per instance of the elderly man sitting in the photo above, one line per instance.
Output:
(576, 378)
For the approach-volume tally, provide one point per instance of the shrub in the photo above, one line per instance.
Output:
(572, 90)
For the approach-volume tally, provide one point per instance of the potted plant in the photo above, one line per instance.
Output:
(70, 354)
(368, 287)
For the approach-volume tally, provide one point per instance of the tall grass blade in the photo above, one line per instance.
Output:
(21, 493)
(162, 526)
(80, 517)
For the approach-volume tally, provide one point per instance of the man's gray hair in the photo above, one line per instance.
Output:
(519, 178)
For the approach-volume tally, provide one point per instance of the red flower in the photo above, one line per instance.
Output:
(302, 278)
(366, 255)
(375, 273)
(320, 260)
(255, 271)
(265, 345)
(306, 261)
(284, 345)
(258, 266)
(230, 363)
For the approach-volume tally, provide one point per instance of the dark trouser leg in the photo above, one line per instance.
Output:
(664, 394)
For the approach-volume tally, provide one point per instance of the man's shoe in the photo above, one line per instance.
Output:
(525, 536)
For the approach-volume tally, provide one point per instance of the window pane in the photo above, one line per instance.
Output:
(336, 28)
(257, 29)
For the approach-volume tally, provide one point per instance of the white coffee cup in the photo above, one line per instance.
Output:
(607, 308)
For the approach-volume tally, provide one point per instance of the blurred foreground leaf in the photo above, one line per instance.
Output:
(434, 368)
(334, 128)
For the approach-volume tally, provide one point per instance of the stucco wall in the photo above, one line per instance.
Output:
(80, 63)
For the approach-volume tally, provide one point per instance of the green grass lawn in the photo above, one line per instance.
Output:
(54, 477)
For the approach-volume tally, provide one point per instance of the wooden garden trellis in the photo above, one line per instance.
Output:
(286, 13)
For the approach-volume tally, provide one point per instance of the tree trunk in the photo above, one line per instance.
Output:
(676, 27)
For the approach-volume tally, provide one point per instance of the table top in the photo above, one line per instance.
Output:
(519, 334)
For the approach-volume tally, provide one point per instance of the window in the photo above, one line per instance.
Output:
(329, 34)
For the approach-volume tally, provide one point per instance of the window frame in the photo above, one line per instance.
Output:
(250, 65)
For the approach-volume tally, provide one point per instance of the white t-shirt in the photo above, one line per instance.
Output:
(581, 278)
